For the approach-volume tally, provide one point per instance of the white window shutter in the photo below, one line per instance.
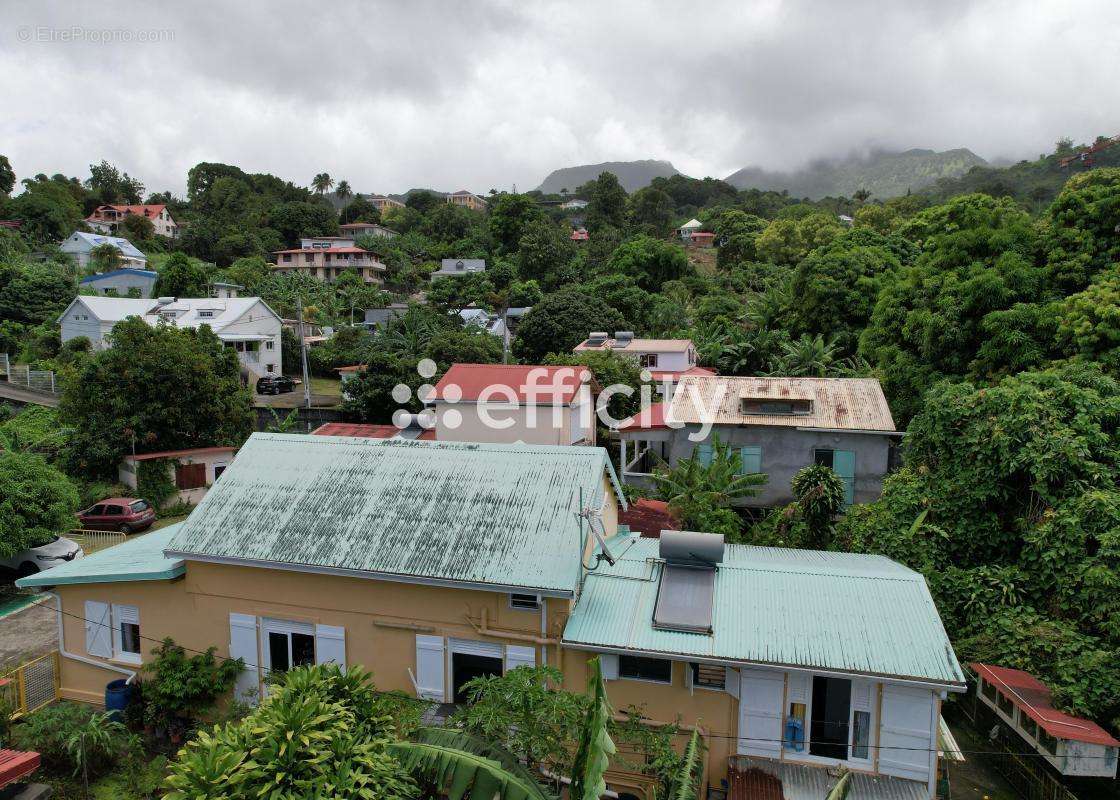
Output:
(430, 668)
(609, 664)
(99, 629)
(330, 645)
(243, 645)
(731, 681)
(518, 656)
(798, 687)
(688, 679)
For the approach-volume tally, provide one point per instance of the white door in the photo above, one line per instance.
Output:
(430, 676)
(761, 697)
(906, 733)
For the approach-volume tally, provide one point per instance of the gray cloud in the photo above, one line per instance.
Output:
(391, 95)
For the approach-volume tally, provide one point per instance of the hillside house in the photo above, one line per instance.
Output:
(127, 282)
(702, 239)
(514, 403)
(245, 324)
(356, 229)
(193, 470)
(80, 244)
(439, 562)
(382, 202)
(108, 218)
(467, 200)
(685, 231)
(778, 426)
(580, 235)
(457, 267)
(667, 360)
(327, 258)
(1074, 746)
(575, 204)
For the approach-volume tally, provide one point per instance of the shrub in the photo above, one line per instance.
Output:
(50, 731)
(186, 688)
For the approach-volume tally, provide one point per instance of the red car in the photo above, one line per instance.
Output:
(124, 514)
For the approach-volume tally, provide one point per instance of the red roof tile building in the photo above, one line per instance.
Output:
(107, 218)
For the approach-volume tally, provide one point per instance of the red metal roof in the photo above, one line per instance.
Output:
(152, 210)
(16, 765)
(652, 417)
(1033, 698)
(193, 451)
(504, 382)
(649, 517)
(703, 235)
(352, 368)
(363, 430)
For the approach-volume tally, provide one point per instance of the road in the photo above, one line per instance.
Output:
(19, 394)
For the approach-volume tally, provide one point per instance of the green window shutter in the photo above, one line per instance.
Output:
(844, 465)
(704, 453)
(751, 460)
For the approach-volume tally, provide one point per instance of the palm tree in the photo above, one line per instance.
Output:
(861, 196)
(343, 191)
(322, 183)
(809, 356)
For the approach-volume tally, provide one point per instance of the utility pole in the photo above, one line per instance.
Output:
(505, 333)
(303, 361)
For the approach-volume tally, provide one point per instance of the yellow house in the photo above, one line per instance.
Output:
(430, 563)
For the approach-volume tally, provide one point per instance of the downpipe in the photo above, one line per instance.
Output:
(83, 659)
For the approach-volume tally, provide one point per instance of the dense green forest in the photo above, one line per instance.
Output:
(988, 308)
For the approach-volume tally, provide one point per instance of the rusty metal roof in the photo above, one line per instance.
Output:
(501, 515)
(861, 614)
(837, 403)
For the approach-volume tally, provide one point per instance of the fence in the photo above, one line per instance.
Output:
(39, 380)
(92, 541)
(32, 685)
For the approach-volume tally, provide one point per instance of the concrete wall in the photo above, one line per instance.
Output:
(530, 424)
(787, 450)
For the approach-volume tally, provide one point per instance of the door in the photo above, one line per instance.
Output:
(470, 660)
(831, 713)
(906, 732)
(761, 696)
(243, 645)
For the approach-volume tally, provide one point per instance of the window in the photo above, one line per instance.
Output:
(1029, 726)
(637, 668)
(988, 689)
(765, 405)
(287, 258)
(288, 644)
(843, 463)
(308, 258)
(269, 345)
(708, 676)
(205, 314)
(1005, 705)
(525, 602)
(114, 511)
(139, 505)
(861, 734)
(220, 468)
(190, 476)
(648, 360)
(126, 633)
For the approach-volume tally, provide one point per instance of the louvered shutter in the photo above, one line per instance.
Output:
(608, 662)
(430, 670)
(243, 645)
(330, 645)
(844, 465)
(704, 453)
(518, 656)
(760, 712)
(99, 629)
(750, 459)
(907, 747)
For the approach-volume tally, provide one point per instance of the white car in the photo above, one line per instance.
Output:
(49, 554)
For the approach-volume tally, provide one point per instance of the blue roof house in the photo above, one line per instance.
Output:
(80, 244)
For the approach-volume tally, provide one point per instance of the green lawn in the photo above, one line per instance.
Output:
(329, 386)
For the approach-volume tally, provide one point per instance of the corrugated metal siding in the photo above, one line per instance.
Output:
(833, 611)
(484, 513)
(845, 403)
(800, 782)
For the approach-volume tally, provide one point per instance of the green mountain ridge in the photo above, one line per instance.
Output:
(633, 175)
(884, 174)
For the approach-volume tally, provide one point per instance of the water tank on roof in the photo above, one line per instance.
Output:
(691, 548)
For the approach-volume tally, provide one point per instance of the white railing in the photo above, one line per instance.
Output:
(39, 380)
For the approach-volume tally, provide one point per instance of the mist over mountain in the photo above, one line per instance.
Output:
(633, 175)
(882, 173)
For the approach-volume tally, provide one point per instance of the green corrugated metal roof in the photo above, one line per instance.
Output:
(491, 514)
(804, 608)
(138, 559)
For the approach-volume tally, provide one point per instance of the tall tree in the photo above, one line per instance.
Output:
(322, 183)
(181, 276)
(7, 176)
(343, 190)
(510, 216)
(606, 207)
(37, 502)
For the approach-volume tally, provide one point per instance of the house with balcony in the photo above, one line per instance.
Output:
(777, 425)
(431, 563)
(327, 258)
(244, 324)
(467, 200)
(356, 229)
(107, 218)
(81, 244)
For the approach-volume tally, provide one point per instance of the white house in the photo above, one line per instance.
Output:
(245, 324)
(193, 470)
(455, 267)
(574, 204)
(107, 218)
(80, 244)
(692, 226)
(668, 360)
(122, 282)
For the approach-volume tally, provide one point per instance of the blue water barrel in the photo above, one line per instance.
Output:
(117, 695)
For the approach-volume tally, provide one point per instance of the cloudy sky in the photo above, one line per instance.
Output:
(475, 94)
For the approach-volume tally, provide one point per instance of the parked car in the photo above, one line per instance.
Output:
(275, 384)
(57, 550)
(124, 514)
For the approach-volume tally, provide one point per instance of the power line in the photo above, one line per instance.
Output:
(398, 695)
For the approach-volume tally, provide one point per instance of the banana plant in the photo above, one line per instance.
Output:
(595, 743)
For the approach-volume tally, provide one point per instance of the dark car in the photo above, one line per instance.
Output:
(124, 514)
(275, 384)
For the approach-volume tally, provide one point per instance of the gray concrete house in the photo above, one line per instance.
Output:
(778, 425)
(454, 267)
(127, 282)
